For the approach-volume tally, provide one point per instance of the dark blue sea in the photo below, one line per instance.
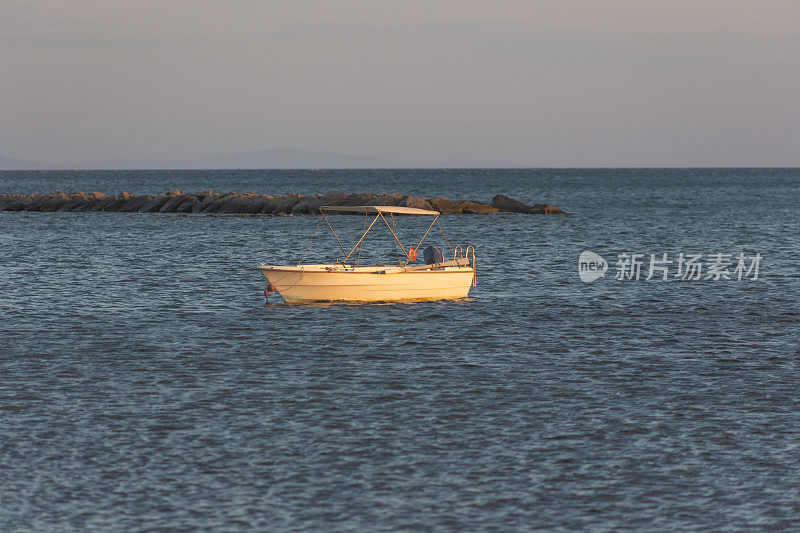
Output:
(146, 385)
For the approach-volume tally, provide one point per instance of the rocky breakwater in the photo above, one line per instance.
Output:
(252, 204)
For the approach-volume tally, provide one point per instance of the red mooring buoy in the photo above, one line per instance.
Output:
(270, 288)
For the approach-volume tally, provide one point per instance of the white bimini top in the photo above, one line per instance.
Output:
(362, 209)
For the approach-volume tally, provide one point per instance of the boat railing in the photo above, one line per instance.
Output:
(460, 253)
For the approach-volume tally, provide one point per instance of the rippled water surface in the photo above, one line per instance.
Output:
(144, 383)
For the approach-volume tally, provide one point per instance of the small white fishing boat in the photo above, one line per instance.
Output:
(347, 280)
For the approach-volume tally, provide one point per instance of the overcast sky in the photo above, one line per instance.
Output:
(528, 83)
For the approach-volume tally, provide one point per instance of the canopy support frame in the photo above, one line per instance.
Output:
(395, 238)
(361, 239)
(334, 233)
(379, 214)
(426, 232)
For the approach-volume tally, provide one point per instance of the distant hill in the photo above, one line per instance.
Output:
(284, 158)
(277, 158)
(10, 163)
(458, 163)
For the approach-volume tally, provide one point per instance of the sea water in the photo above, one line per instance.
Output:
(145, 384)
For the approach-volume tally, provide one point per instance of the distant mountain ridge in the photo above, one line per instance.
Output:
(11, 163)
(276, 158)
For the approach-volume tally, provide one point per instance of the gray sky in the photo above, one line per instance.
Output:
(530, 83)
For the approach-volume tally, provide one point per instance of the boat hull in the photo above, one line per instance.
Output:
(296, 284)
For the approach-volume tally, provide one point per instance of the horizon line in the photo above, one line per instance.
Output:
(514, 167)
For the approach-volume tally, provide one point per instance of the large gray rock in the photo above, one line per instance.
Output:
(388, 199)
(504, 203)
(84, 202)
(38, 204)
(217, 201)
(255, 205)
(282, 204)
(52, 202)
(188, 204)
(5, 200)
(416, 202)
(136, 203)
(259, 201)
(237, 203)
(76, 201)
(205, 202)
(360, 199)
(307, 204)
(172, 203)
(446, 206)
(477, 208)
(110, 203)
(334, 198)
(269, 205)
(156, 203)
(20, 202)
